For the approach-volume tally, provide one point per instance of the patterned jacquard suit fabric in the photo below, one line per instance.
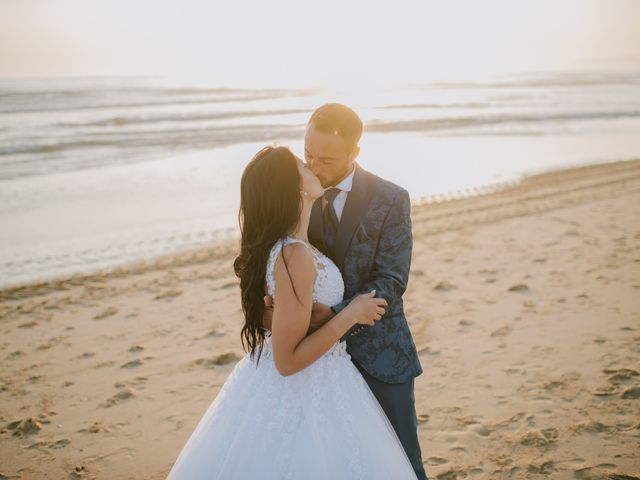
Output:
(373, 249)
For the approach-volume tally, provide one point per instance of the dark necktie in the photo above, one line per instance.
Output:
(329, 217)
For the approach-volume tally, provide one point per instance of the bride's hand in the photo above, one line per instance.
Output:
(367, 309)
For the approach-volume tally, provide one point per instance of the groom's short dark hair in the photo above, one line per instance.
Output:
(340, 120)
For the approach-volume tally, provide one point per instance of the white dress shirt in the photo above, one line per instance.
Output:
(341, 198)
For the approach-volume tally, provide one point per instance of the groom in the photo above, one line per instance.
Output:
(363, 224)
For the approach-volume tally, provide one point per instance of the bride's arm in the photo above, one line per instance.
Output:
(294, 350)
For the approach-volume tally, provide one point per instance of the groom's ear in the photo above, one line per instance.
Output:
(354, 153)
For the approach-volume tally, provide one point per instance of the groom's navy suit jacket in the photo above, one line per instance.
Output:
(373, 251)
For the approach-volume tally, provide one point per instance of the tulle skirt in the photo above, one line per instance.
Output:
(320, 423)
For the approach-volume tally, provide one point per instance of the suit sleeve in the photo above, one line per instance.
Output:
(392, 261)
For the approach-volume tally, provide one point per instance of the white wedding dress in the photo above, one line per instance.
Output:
(322, 423)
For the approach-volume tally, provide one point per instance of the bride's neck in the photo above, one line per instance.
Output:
(300, 232)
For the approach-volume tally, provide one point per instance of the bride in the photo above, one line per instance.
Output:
(294, 407)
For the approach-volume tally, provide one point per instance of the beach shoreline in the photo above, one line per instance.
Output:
(523, 304)
(220, 248)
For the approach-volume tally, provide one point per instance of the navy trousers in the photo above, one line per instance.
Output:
(398, 402)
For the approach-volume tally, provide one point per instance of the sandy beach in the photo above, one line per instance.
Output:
(524, 305)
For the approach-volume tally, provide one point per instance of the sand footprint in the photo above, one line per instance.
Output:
(545, 468)
(423, 418)
(133, 363)
(519, 288)
(52, 342)
(513, 423)
(137, 381)
(601, 471)
(106, 363)
(213, 333)
(28, 324)
(444, 286)
(223, 359)
(123, 394)
(618, 379)
(95, 427)
(502, 331)
(592, 426)
(25, 426)
(428, 351)
(631, 393)
(168, 294)
(454, 473)
(62, 443)
(106, 313)
(606, 391)
(540, 438)
(79, 472)
(622, 375)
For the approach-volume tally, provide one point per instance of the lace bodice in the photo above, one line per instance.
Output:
(328, 287)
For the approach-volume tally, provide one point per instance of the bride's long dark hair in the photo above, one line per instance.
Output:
(270, 207)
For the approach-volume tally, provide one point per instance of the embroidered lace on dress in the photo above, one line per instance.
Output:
(328, 287)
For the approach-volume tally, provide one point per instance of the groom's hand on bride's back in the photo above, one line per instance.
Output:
(267, 316)
(320, 314)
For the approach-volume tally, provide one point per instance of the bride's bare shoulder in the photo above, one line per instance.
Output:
(299, 261)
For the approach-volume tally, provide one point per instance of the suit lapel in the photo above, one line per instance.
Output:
(354, 209)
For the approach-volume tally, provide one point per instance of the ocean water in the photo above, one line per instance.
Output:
(96, 172)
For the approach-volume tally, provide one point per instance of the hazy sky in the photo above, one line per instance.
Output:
(322, 42)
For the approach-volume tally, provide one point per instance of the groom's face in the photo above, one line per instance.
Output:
(327, 156)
